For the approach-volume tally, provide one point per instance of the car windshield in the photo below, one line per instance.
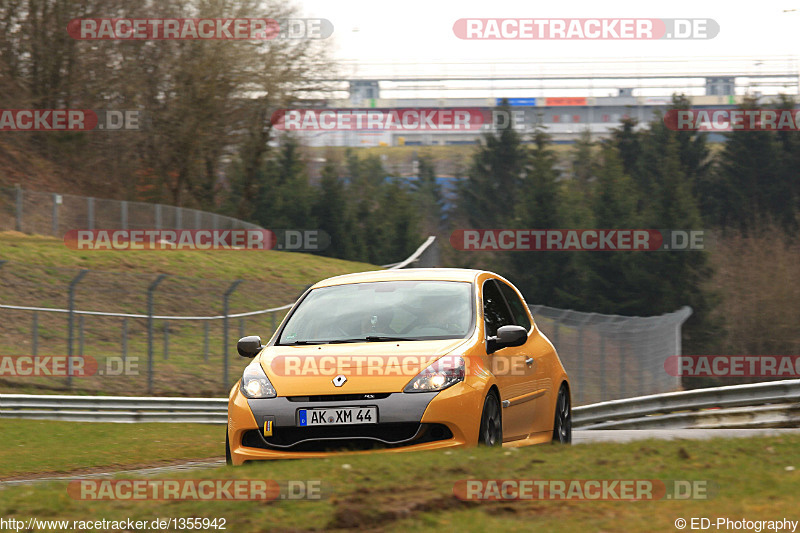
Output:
(382, 311)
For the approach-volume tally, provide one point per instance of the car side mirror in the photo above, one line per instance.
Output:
(249, 346)
(507, 336)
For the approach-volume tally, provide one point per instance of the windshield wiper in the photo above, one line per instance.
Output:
(368, 338)
(383, 338)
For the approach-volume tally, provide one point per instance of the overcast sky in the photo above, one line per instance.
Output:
(422, 30)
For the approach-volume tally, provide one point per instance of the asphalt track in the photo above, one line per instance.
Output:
(578, 437)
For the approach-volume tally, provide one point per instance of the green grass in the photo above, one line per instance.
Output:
(42, 446)
(414, 491)
(38, 274)
(265, 266)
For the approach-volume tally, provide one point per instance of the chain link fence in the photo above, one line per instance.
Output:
(55, 214)
(140, 333)
(609, 357)
(173, 335)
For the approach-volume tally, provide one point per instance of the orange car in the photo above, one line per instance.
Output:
(401, 360)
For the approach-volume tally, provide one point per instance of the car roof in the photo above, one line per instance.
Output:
(407, 274)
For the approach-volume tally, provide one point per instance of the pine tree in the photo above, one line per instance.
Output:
(488, 194)
(617, 282)
(428, 196)
(333, 213)
(748, 170)
(678, 277)
(540, 275)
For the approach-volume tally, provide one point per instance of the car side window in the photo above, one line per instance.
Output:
(516, 305)
(495, 310)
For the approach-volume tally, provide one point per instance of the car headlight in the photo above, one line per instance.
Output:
(441, 374)
(255, 383)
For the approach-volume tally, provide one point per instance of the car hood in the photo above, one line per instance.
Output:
(369, 367)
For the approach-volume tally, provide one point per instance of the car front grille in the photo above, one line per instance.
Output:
(339, 397)
(347, 437)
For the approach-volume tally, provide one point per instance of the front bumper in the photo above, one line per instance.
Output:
(407, 422)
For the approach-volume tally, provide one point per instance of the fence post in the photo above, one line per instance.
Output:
(581, 382)
(197, 219)
(56, 201)
(622, 357)
(158, 216)
(71, 320)
(18, 217)
(90, 215)
(205, 341)
(150, 290)
(225, 331)
(35, 332)
(603, 377)
(166, 340)
(123, 214)
(124, 340)
(178, 217)
(80, 335)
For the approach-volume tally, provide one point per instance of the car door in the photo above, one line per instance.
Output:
(508, 365)
(538, 385)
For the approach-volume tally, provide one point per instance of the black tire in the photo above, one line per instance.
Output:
(562, 424)
(228, 459)
(491, 431)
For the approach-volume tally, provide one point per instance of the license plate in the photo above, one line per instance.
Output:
(337, 416)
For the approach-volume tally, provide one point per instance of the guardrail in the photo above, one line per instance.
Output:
(114, 408)
(685, 409)
(768, 405)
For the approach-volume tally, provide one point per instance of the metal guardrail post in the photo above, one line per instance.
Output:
(225, 313)
(71, 320)
(150, 290)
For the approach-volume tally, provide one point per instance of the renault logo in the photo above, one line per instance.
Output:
(339, 380)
